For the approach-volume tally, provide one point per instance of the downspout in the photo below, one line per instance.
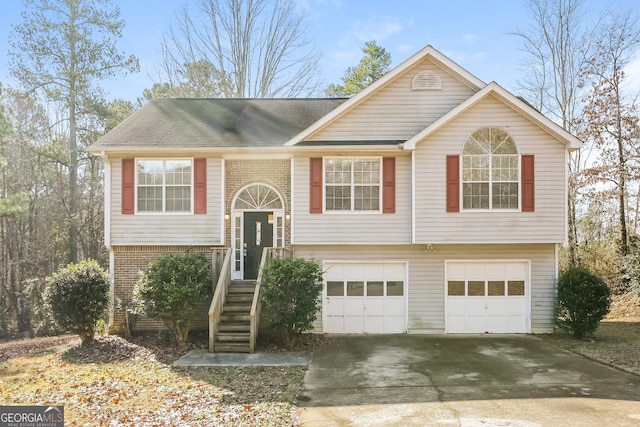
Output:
(107, 234)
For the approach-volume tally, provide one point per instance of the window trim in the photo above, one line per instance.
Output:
(163, 212)
(352, 211)
(462, 182)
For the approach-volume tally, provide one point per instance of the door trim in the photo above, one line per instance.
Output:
(237, 227)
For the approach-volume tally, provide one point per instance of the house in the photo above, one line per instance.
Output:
(436, 202)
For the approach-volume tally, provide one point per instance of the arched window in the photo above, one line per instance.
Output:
(490, 170)
(258, 196)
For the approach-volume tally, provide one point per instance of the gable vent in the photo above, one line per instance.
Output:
(426, 80)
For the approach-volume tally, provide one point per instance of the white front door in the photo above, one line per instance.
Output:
(487, 297)
(364, 297)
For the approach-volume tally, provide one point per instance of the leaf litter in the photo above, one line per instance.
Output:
(115, 382)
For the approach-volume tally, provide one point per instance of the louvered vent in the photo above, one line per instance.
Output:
(426, 80)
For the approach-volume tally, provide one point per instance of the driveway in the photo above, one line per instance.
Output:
(489, 380)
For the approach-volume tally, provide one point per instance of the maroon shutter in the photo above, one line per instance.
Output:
(128, 186)
(528, 183)
(315, 194)
(389, 185)
(453, 183)
(200, 186)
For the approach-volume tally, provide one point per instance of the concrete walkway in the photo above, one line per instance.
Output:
(204, 358)
(463, 381)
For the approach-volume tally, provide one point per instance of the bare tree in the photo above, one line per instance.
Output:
(611, 118)
(558, 44)
(60, 50)
(250, 48)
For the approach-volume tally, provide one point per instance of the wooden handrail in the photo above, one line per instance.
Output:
(256, 306)
(219, 297)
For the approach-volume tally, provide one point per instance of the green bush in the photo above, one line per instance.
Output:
(291, 296)
(582, 301)
(79, 296)
(172, 290)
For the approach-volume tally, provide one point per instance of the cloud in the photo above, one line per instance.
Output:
(374, 29)
(469, 38)
(632, 75)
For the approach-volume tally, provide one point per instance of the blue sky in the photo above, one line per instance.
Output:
(474, 33)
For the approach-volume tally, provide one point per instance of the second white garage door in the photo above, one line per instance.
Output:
(487, 296)
(364, 298)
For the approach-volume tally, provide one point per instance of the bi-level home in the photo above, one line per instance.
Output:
(436, 202)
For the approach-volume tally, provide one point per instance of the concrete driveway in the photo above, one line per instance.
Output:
(490, 380)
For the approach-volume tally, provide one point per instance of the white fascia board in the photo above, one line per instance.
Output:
(438, 57)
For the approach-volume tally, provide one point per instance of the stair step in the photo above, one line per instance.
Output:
(242, 289)
(231, 347)
(235, 317)
(239, 298)
(234, 326)
(235, 308)
(233, 336)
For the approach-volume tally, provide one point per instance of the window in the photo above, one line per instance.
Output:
(164, 185)
(352, 185)
(490, 170)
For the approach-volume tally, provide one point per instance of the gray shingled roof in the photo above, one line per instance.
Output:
(195, 123)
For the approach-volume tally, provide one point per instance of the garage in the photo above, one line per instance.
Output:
(365, 297)
(487, 297)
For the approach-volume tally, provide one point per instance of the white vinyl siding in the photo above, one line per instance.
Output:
(167, 228)
(396, 112)
(434, 225)
(351, 227)
(426, 281)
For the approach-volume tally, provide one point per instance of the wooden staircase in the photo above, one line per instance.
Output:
(234, 329)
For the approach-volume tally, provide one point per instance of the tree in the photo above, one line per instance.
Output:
(611, 118)
(373, 65)
(60, 51)
(79, 296)
(242, 48)
(173, 290)
(558, 45)
(582, 301)
(291, 296)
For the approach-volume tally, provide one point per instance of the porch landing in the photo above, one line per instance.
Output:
(204, 358)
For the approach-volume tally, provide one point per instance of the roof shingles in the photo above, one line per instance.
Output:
(204, 123)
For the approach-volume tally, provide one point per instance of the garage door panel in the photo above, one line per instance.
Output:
(487, 296)
(373, 299)
(374, 325)
(474, 324)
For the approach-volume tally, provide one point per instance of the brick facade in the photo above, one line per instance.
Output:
(129, 263)
(240, 173)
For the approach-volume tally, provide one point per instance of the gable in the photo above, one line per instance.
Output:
(401, 108)
(530, 137)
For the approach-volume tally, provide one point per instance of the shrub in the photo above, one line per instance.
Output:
(172, 290)
(582, 301)
(78, 296)
(291, 296)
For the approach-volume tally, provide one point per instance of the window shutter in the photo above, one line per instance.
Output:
(200, 186)
(453, 183)
(389, 185)
(128, 186)
(528, 183)
(315, 194)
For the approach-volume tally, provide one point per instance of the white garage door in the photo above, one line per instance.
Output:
(364, 298)
(487, 297)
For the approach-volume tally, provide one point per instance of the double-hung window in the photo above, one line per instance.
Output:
(164, 185)
(490, 170)
(352, 185)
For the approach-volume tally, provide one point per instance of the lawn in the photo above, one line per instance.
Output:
(120, 383)
(616, 341)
